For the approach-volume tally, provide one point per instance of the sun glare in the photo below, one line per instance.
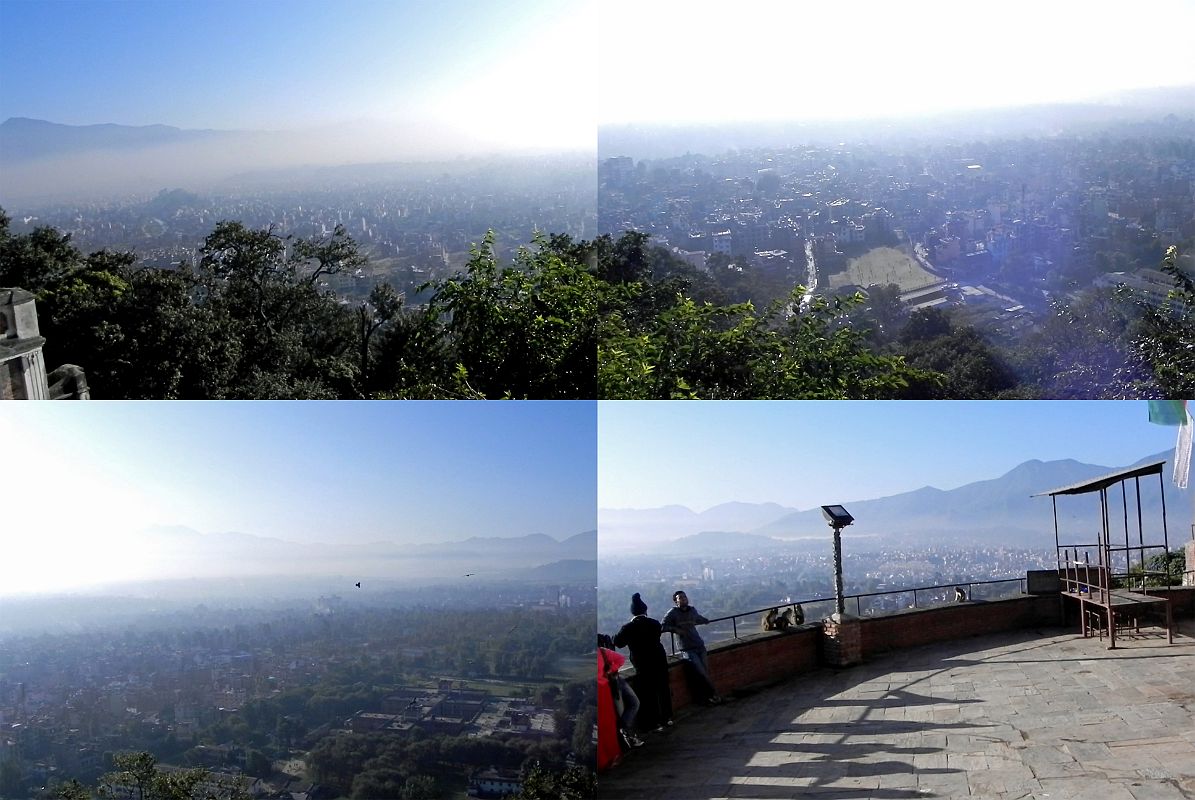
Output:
(70, 528)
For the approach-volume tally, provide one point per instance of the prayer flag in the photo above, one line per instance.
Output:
(1168, 412)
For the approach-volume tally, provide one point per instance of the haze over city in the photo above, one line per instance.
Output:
(249, 87)
(143, 491)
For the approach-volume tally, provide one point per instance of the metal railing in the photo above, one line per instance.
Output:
(736, 626)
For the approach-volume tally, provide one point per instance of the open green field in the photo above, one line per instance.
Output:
(884, 265)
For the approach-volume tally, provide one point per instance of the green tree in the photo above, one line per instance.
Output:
(257, 764)
(1165, 337)
(931, 341)
(704, 351)
(71, 790)
(137, 774)
(420, 787)
(251, 321)
(1083, 349)
(574, 783)
(885, 308)
(293, 339)
(375, 783)
(527, 330)
(1161, 569)
(11, 778)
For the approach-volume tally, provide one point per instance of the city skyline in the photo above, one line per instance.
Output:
(93, 475)
(807, 453)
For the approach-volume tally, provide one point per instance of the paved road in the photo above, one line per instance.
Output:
(811, 280)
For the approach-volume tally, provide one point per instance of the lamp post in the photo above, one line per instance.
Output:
(839, 518)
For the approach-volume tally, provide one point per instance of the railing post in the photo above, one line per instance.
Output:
(914, 598)
(734, 626)
(839, 604)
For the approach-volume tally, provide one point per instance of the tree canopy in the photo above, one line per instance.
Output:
(610, 318)
(251, 319)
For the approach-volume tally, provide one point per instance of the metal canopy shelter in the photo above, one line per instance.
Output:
(1104, 589)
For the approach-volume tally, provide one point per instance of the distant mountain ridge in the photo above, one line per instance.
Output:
(676, 520)
(994, 510)
(25, 139)
(175, 549)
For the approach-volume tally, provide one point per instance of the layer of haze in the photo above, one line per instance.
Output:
(88, 480)
(805, 454)
(477, 68)
(308, 82)
(696, 62)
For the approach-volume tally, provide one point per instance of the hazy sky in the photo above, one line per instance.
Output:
(542, 72)
(696, 60)
(513, 75)
(331, 472)
(804, 454)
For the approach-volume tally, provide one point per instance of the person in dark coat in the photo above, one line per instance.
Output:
(682, 619)
(642, 637)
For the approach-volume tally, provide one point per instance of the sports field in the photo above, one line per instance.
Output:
(884, 265)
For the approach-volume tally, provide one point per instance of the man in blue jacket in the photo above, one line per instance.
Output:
(683, 620)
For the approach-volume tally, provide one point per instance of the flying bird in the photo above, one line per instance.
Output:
(358, 584)
(470, 574)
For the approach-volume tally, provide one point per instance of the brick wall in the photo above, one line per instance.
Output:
(754, 660)
(1182, 600)
(842, 641)
(765, 658)
(956, 621)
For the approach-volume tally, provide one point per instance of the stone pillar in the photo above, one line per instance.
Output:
(22, 369)
(842, 640)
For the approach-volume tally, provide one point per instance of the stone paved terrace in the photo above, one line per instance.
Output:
(1026, 714)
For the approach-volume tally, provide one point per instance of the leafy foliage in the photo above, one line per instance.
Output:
(612, 318)
(933, 342)
(681, 347)
(526, 330)
(574, 783)
(1162, 569)
(137, 775)
(252, 320)
(1166, 334)
(1083, 350)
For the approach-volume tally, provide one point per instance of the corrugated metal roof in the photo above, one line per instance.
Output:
(1095, 484)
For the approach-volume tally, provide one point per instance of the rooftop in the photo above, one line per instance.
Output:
(1028, 713)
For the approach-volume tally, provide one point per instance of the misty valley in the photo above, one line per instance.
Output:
(361, 691)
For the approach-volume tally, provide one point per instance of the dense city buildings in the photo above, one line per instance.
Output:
(416, 222)
(252, 693)
(994, 228)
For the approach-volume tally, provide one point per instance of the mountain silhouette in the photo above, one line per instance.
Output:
(24, 139)
(998, 510)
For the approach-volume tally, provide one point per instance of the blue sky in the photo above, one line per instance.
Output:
(551, 69)
(333, 472)
(806, 453)
(285, 64)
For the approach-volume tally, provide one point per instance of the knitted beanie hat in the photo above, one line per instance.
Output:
(637, 604)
